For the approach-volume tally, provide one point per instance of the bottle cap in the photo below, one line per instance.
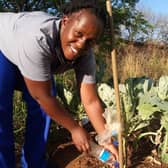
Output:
(116, 164)
(115, 143)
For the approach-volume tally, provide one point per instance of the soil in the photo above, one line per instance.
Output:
(63, 154)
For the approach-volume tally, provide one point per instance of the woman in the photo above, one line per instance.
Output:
(34, 46)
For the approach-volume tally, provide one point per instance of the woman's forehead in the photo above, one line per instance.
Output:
(85, 17)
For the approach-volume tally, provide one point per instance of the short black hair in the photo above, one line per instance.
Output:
(76, 5)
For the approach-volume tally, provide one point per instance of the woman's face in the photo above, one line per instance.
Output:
(79, 32)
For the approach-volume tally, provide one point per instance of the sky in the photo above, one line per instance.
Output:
(157, 6)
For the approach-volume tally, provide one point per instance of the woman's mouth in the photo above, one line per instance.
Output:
(74, 50)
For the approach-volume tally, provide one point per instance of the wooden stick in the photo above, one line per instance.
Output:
(115, 80)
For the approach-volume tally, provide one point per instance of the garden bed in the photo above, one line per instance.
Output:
(63, 153)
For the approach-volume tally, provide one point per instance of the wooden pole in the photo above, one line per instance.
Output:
(115, 80)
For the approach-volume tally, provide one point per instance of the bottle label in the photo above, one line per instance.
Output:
(104, 155)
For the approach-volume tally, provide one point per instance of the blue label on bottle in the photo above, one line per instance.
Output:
(104, 155)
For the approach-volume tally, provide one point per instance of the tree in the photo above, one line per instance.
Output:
(29, 5)
(129, 22)
(160, 25)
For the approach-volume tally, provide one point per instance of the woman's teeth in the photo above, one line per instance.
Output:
(74, 50)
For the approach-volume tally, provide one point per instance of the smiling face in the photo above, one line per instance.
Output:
(79, 32)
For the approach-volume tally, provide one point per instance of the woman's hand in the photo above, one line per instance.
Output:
(80, 138)
(110, 147)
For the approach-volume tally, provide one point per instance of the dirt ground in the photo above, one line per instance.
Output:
(63, 154)
(66, 156)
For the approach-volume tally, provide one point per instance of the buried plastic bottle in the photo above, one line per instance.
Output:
(102, 154)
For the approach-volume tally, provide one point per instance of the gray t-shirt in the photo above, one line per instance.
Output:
(30, 41)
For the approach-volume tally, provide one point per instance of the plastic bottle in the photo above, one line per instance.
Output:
(102, 154)
(106, 137)
(115, 138)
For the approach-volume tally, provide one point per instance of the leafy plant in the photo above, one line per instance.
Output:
(69, 95)
(143, 101)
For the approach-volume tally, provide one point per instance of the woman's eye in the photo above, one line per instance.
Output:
(78, 34)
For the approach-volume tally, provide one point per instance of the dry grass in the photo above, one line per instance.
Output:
(141, 60)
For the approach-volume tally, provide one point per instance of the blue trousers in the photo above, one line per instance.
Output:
(37, 122)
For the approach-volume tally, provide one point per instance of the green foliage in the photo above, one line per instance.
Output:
(162, 90)
(30, 5)
(142, 108)
(68, 94)
(136, 27)
(19, 116)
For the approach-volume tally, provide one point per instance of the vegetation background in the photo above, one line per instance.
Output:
(141, 43)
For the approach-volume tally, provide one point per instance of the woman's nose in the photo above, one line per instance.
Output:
(81, 43)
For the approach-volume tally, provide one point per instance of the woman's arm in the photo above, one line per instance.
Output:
(95, 110)
(41, 92)
(92, 106)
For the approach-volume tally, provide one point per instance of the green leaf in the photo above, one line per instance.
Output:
(163, 88)
(146, 110)
(163, 148)
(163, 105)
(164, 121)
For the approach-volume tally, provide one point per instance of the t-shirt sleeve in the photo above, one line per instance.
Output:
(85, 69)
(33, 62)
